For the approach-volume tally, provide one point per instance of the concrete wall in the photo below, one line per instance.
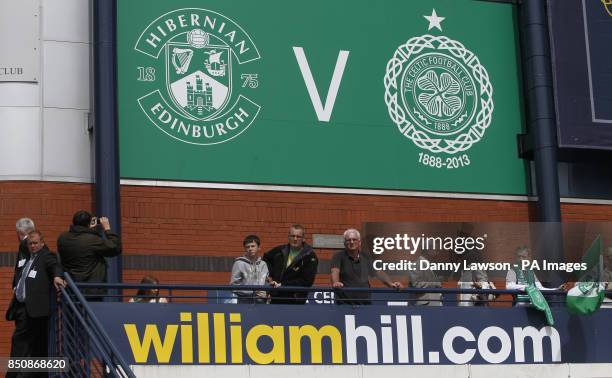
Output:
(376, 371)
(43, 126)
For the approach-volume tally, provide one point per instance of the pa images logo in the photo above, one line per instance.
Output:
(196, 70)
(439, 95)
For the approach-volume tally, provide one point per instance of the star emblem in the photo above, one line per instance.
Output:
(434, 20)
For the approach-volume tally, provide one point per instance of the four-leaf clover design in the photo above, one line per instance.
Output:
(438, 98)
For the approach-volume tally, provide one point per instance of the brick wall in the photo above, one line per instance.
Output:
(213, 222)
(6, 292)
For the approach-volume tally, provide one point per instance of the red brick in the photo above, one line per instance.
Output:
(213, 222)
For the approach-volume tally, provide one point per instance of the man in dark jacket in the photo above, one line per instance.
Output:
(83, 248)
(29, 307)
(23, 227)
(292, 264)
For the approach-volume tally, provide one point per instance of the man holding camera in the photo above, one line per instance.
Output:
(83, 248)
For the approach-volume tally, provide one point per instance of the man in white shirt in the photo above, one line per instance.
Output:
(519, 279)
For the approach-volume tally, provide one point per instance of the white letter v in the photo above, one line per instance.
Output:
(323, 113)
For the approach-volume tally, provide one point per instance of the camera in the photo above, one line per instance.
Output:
(94, 222)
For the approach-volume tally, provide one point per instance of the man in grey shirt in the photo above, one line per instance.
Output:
(352, 268)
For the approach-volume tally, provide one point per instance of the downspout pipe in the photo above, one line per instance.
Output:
(107, 183)
(541, 123)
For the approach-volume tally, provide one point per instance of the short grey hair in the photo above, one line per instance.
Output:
(25, 226)
(351, 231)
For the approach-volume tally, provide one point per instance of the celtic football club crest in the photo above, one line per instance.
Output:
(438, 93)
(205, 92)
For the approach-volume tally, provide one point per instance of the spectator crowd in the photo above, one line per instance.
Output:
(84, 247)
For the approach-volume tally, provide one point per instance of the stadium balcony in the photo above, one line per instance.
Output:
(202, 327)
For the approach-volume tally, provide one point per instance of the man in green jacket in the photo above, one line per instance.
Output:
(83, 248)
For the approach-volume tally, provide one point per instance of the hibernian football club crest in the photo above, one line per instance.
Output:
(204, 95)
(439, 95)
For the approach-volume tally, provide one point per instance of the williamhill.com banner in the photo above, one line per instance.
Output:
(182, 334)
(420, 94)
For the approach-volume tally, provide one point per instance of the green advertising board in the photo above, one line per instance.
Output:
(410, 95)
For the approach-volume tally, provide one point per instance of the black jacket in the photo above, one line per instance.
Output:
(301, 272)
(38, 288)
(82, 251)
(22, 254)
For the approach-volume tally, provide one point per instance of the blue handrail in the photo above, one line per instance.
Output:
(85, 320)
(309, 289)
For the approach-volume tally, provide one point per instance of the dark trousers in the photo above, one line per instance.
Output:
(251, 300)
(284, 297)
(29, 338)
(353, 302)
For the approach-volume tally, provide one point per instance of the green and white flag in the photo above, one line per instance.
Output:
(539, 301)
(532, 293)
(585, 298)
(588, 293)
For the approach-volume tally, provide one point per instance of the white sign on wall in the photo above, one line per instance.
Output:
(19, 40)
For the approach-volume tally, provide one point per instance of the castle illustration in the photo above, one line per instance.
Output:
(200, 98)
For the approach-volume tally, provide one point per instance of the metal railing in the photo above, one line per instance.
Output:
(80, 338)
(89, 351)
(224, 294)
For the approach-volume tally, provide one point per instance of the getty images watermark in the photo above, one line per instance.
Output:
(461, 252)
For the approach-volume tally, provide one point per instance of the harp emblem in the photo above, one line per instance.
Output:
(181, 58)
